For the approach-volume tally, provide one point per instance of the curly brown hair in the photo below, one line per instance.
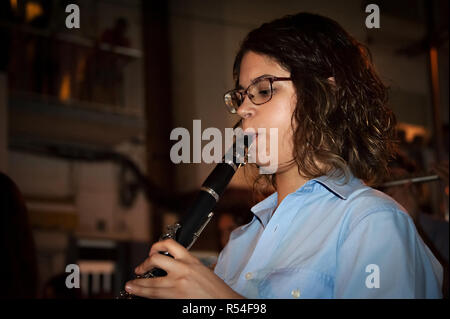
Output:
(343, 124)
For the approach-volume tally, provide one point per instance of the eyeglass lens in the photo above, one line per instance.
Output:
(259, 92)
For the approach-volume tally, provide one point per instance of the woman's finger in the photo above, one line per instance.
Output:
(159, 261)
(171, 246)
(150, 292)
(157, 282)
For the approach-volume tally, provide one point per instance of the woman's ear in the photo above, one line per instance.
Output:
(332, 82)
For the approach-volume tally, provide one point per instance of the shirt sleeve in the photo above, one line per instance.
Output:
(381, 255)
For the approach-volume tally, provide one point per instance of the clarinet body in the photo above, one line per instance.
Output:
(200, 212)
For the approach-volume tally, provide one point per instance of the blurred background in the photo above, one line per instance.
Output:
(86, 115)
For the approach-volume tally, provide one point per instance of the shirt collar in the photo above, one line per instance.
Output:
(338, 184)
(334, 182)
(264, 209)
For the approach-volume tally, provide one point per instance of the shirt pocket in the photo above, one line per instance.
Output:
(296, 283)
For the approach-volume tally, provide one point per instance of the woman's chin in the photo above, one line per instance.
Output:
(266, 167)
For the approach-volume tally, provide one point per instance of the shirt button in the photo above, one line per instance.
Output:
(275, 229)
(248, 276)
(295, 293)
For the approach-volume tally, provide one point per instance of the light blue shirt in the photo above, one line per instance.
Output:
(330, 240)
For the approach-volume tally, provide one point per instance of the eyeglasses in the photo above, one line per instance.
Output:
(259, 92)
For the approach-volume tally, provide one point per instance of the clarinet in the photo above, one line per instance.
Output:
(200, 212)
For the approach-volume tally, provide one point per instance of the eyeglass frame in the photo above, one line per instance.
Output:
(245, 92)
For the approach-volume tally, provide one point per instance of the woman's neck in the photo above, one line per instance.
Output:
(288, 182)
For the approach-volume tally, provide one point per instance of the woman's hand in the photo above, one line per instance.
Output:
(186, 276)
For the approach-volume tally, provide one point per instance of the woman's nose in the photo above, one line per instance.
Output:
(247, 108)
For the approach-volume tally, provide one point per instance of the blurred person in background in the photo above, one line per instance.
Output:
(19, 263)
(433, 230)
